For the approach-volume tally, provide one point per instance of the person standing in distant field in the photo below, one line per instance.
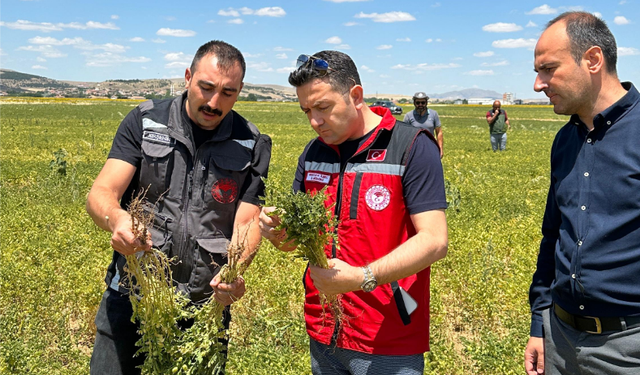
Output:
(425, 118)
(498, 125)
(585, 292)
(201, 165)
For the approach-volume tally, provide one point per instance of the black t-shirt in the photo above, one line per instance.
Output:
(422, 182)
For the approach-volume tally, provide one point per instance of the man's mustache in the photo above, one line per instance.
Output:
(207, 108)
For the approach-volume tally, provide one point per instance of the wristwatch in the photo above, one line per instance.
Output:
(369, 283)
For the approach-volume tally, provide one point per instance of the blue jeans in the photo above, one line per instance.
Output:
(499, 141)
(327, 359)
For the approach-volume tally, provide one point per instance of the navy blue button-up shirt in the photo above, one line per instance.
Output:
(589, 261)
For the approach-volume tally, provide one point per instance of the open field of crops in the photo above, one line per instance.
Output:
(53, 258)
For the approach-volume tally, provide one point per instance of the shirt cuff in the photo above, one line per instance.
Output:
(536, 326)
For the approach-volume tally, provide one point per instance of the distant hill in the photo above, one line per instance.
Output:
(10, 80)
(467, 94)
(21, 83)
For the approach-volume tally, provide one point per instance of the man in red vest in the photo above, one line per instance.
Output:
(386, 183)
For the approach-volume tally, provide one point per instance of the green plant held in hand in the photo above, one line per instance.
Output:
(310, 224)
(162, 312)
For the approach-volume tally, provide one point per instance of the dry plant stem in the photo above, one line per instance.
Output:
(159, 309)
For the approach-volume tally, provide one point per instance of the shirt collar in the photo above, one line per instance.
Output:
(612, 114)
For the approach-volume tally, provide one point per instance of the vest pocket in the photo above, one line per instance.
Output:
(209, 258)
(224, 180)
(157, 162)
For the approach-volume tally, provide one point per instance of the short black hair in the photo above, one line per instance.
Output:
(342, 74)
(227, 55)
(585, 30)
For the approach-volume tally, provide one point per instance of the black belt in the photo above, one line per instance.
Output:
(592, 324)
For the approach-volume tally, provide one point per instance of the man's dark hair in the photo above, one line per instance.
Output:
(227, 55)
(342, 74)
(585, 31)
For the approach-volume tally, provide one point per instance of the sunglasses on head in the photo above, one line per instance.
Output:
(316, 63)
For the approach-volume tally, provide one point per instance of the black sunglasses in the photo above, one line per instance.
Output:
(316, 63)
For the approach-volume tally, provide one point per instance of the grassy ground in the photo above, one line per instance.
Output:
(53, 258)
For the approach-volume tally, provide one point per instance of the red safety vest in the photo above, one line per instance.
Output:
(373, 221)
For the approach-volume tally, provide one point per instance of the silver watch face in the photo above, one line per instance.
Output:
(369, 285)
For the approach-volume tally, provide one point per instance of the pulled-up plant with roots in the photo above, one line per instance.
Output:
(163, 313)
(311, 225)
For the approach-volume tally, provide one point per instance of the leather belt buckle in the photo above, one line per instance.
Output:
(598, 325)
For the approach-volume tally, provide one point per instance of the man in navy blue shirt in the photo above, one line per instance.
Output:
(585, 293)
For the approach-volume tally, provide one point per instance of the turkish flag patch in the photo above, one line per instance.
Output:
(376, 155)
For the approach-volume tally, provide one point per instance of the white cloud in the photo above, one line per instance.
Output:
(40, 59)
(177, 56)
(250, 55)
(39, 67)
(426, 66)
(170, 18)
(407, 39)
(78, 43)
(621, 20)
(282, 49)
(367, 69)
(89, 25)
(55, 42)
(532, 24)
(436, 5)
(499, 63)
(384, 76)
(543, 9)
(480, 73)
(236, 21)
(229, 13)
(333, 40)
(348, 24)
(286, 69)
(111, 59)
(384, 46)
(514, 43)
(457, 59)
(49, 27)
(175, 32)
(628, 51)
(270, 12)
(260, 67)
(438, 40)
(484, 54)
(262, 12)
(282, 56)
(429, 40)
(343, 46)
(501, 27)
(387, 17)
(136, 39)
(45, 50)
(115, 17)
(177, 64)
(158, 40)
(622, 2)
(28, 25)
(598, 14)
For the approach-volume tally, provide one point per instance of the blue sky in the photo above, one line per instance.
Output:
(399, 46)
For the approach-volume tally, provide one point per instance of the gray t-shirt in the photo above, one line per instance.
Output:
(429, 121)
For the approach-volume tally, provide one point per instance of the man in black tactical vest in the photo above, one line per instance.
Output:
(202, 163)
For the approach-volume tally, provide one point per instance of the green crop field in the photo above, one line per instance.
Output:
(53, 258)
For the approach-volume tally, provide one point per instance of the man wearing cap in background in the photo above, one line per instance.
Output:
(425, 118)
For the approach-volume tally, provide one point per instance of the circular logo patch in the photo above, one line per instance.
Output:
(225, 190)
(378, 197)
